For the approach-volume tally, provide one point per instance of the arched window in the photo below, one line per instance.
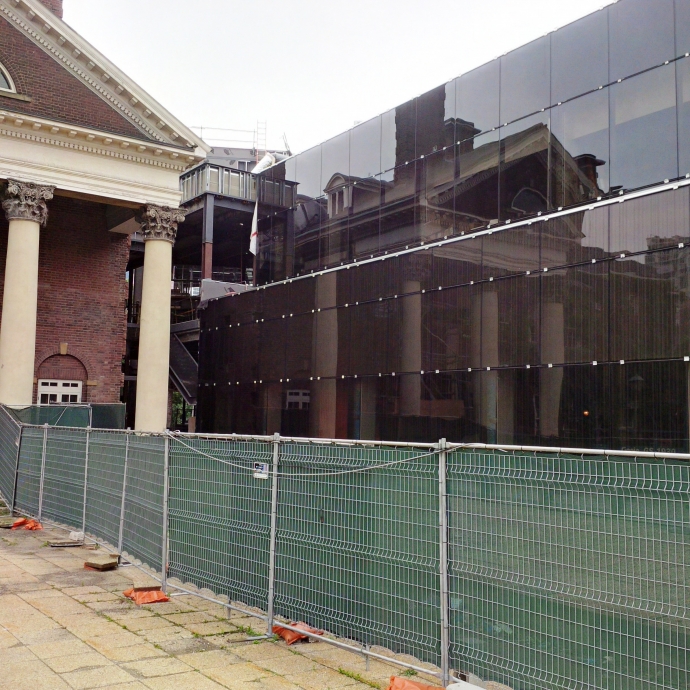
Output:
(6, 83)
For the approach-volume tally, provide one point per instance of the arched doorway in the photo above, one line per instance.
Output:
(61, 380)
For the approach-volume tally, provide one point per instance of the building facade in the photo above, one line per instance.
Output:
(86, 159)
(503, 259)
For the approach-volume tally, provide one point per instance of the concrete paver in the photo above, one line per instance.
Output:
(65, 628)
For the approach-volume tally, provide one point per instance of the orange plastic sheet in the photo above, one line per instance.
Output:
(291, 636)
(26, 523)
(146, 597)
(405, 684)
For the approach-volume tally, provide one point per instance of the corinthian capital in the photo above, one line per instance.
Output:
(160, 222)
(27, 201)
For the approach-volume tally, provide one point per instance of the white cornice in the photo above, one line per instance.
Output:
(97, 142)
(101, 76)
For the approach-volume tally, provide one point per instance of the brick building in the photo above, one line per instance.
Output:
(86, 159)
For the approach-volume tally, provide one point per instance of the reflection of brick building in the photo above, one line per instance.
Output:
(84, 150)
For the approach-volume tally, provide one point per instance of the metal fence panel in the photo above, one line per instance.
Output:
(29, 470)
(104, 485)
(219, 517)
(358, 552)
(569, 572)
(63, 488)
(143, 515)
(10, 434)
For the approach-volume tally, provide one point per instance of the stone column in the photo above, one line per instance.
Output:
(551, 380)
(26, 210)
(411, 350)
(159, 228)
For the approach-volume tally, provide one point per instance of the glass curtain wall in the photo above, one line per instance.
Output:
(570, 331)
(597, 108)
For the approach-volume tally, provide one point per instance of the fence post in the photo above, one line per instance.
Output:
(16, 472)
(86, 479)
(443, 555)
(166, 486)
(122, 504)
(43, 472)
(272, 540)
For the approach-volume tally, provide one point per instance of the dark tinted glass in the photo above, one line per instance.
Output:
(580, 57)
(435, 121)
(307, 230)
(580, 152)
(476, 186)
(651, 222)
(525, 80)
(574, 314)
(477, 100)
(512, 250)
(525, 167)
(399, 211)
(458, 263)
(682, 27)
(335, 162)
(365, 149)
(438, 185)
(308, 173)
(648, 313)
(364, 218)
(683, 94)
(517, 321)
(389, 146)
(643, 129)
(334, 230)
(641, 35)
(575, 238)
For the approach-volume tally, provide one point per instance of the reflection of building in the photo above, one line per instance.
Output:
(461, 266)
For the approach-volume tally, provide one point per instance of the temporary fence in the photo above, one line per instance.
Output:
(538, 568)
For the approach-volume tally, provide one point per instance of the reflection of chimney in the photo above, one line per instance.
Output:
(55, 6)
(588, 164)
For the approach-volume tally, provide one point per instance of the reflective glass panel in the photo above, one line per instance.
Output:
(457, 263)
(365, 149)
(524, 185)
(643, 129)
(580, 150)
(399, 211)
(405, 132)
(364, 218)
(683, 79)
(649, 314)
(438, 211)
(476, 185)
(435, 120)
(525, 80)
(511, 250)
(389, 141)
(682, 27)
(4, 81)
(574, 314)
(307, 218)
(477, 100)
(575, 238)
(651, 222)
(641, 35)
(580, 57)
(308, 171)
(335, 163)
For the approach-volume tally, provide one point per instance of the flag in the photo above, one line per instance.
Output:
(254, 237)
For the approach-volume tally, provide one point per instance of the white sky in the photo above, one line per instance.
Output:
(308, 68)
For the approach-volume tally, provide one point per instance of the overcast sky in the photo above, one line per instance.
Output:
(308, 68)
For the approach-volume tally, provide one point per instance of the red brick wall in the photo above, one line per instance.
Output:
(55, 93)
(82, 292)
(55, 6)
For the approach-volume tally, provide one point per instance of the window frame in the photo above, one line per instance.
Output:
(8, 77)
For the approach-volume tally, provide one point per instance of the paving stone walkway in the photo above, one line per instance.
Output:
(63, 627)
